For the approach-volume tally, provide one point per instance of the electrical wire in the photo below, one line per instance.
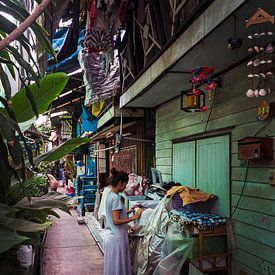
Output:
(211, 109)
(247, 167)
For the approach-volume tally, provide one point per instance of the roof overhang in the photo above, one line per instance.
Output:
(203, 43)
(110, 131)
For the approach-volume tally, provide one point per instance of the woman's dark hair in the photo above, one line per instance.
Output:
(113, 173)
(118, 176)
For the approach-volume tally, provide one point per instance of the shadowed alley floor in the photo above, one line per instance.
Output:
(70, 249)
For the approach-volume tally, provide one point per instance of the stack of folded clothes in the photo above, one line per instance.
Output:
(201, 220)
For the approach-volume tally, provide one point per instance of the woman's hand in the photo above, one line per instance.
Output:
(131, 210)
(139, 212)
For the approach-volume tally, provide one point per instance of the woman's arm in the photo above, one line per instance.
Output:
(118, 221)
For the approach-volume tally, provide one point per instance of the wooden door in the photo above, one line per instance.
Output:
(204, 164)
(212, 170)
(184, 163)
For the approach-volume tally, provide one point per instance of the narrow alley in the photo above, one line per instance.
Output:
(70, 249)
(153, 122)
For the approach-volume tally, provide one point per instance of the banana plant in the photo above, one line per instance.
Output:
(9, 54)
(20, 110)
(62, 150)
(21, 221)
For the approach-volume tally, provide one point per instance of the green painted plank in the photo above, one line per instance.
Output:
(166, 177)
(177, 124)
(212, 170)
(254, 189)
(234, 147)
(184, 163)
(258, 163)
(255, 204)
(254, 174)
(248, 260)
(164, 161)
(234, 76)
(227, 107)
(164, 169)
(255, 219)
(166, 108)
(165, 153)
(251, 129)
(187, 131)
(256, 234)
(164, 145)
(261, 251)
(198, 126)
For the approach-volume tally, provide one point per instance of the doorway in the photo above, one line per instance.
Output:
(205, 164)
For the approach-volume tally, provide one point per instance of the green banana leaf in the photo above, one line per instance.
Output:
(5, 82)
(24, 225)
(5, 179)
(6, 209)
(62, 150)
(38, 215)
(50, 200)
(4, 54)
(9, 238)
(22, 62)
(50, 87)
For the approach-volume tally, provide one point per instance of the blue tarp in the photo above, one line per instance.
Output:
(89, 122)
(69, 64)
(59, 39)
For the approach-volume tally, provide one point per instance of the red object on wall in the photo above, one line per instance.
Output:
(126, 160)
(255, 148)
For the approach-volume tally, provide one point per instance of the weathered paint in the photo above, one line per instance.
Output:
(212, 169)
(254, 219)
(184, 161)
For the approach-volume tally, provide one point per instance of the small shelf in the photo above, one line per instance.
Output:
(219, 230)
(211, 262)
(204, 268)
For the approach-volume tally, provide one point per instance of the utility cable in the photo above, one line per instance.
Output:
(247, 167)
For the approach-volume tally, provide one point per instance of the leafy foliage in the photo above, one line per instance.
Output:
(9, 238)
(18, 222)
(62, 150)
(50, 88)
(22, 214)
(36, 186)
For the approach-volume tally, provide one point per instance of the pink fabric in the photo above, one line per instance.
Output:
(135, 186)
(53, 182)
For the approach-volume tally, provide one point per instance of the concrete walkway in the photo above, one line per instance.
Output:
(70, 249)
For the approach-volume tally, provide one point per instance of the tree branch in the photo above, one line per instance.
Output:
(26, 24)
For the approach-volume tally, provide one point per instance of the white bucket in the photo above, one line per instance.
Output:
(24, 255)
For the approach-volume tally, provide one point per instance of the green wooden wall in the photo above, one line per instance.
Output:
(254, 219)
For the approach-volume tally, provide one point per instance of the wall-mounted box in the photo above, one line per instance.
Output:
(255, 148)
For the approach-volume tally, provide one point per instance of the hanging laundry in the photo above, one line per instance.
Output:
(104, 85)
(89, 122)
(97, 108)
(92, 12)
(98, 40)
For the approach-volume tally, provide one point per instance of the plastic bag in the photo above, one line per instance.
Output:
(175, 250)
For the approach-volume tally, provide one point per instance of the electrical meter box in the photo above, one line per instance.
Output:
(255, 148)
